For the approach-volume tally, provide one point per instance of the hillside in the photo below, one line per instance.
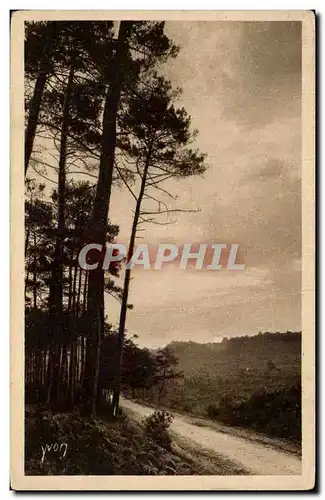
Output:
(226, 380)
(279, 351)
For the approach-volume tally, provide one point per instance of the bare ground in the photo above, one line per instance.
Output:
(222, 450)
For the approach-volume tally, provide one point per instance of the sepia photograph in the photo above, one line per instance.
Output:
(162, 227)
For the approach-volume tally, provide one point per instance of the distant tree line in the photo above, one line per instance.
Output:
(263, 336)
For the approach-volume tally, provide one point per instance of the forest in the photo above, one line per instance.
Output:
(98, 113)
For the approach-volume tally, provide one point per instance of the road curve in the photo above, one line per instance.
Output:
(256, 457)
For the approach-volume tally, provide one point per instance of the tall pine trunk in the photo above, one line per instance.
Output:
(126, 286)
(70, 281)
(99, 219)
(79, 293)
(36, 100)
(56, 296)
(28, 262)
(35, 276)
(74, 288)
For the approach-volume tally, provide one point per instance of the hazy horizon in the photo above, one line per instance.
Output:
(216, 340)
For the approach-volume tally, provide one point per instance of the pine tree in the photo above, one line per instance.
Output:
(139, 46)
(39, 44)
(158, 141)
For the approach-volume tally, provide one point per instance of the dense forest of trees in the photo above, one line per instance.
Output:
(96, 107)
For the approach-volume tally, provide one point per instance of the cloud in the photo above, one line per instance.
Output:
(242, 86)
(265, 80)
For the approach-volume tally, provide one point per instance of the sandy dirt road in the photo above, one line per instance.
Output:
(255, 457)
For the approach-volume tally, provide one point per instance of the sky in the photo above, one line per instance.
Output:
(241, 85)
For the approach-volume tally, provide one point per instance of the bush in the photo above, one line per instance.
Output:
(156, 427)
(187, 407)
(278, 413)
(212, 411)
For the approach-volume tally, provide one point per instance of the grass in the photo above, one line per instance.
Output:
(95, 447)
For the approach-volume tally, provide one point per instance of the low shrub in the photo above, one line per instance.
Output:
(212, 411)
(277, 413)
(156, 427)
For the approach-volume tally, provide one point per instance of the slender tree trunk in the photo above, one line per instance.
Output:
(74, 288)
(100, 215)
(77, 360)
(125, 295)
(82, 359)
(162, 386)
(84, 305)
(70, 280)
(72, 371)
(27, 240)
(57, 289)
(35, 277)
(36, 100)
(56, 296)
(38, 369)
(79, 292)
(64, 368)
(27, 259)
(44, 370)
